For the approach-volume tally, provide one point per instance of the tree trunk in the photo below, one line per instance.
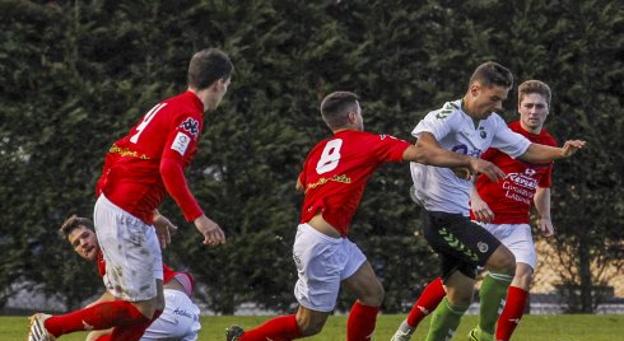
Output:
(584, 260)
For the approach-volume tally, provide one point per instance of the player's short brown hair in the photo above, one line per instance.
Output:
(336, 106)
(492, 73)
(73, 223)
(207, 66)
(534, 86)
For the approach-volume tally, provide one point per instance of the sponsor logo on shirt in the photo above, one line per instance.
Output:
(520, 187)
(342, 178)
(191, 126)
(127, 152)
(181, 143)
(463, 149)
(522, 180)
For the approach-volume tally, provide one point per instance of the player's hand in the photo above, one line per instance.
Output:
(462, 173)
(164, 229)
(546, 227)
(571, 146)
(481, 209)
(485, 167)
(213, 235)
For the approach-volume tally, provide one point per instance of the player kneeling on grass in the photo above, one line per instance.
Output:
(333, 179)
(180, 318)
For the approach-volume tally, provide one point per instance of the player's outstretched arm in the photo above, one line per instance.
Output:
(427, 151)
(539, 153)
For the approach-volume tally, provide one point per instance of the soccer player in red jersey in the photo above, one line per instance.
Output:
(179, 320)
(503, 208)
(140, 170)
(333, 179)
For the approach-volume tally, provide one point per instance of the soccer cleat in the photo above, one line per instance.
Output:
(476, 334)
(233, 333)
(38, 331)
(403, 333)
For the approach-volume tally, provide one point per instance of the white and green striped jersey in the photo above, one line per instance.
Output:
(438, 189)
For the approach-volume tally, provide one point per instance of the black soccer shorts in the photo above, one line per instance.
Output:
(461, 244)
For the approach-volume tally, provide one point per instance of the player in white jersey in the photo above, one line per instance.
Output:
(468, 126)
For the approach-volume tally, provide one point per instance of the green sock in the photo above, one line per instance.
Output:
(492, 293)
(444, 321)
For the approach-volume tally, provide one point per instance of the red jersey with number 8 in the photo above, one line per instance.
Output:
(337, 170)
(148, 162)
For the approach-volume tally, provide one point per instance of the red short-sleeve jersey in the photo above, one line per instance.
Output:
(337, 169)
(167, 135)
(511, 199)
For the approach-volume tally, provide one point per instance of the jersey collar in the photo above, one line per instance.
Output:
(196, 101)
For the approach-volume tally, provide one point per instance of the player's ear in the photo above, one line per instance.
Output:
(352, 117)
(475, 88)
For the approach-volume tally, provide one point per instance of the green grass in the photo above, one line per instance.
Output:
(532, 328)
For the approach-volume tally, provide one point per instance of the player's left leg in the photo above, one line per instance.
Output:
(446, 317)
(369, 292)
(492, 292)
(320, 260)
(518, 239)
(428, 300)
(515, 303)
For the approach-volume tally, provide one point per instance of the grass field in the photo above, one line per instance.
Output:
(532, 328)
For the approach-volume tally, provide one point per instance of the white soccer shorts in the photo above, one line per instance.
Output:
(179, 321)
(518, 239)
(131, 251)
(322, 263)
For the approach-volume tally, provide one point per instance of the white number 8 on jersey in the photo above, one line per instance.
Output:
(330, 157)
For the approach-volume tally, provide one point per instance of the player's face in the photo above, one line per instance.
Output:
(84, 242)
(488, 99)
(533, 111)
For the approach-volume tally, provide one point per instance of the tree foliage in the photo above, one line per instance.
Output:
(76, 74)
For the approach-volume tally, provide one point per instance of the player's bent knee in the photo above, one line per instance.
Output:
(502, 261)
(524, 276)
(460, 297)
(374, 295)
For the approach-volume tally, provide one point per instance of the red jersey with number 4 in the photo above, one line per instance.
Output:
(337, 169)
(511, 199)
(148, 162)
